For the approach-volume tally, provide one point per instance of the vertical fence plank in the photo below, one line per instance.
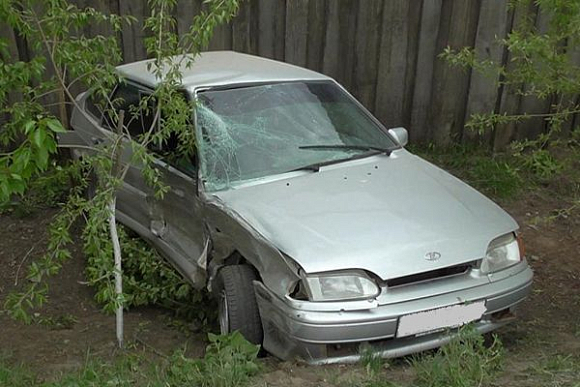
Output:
(7, 34)
(449, 92)
(105, 6)
(316, 34)
(483, 88)
(185, 11)
(570, 101)
(413, 29)
(245, 28)
(366, 53)
(222, 38)
(347, 24)
(133, 35)
(271, 27)
(510, 97)
(392, 63)
(296, 32)
(532, 127)
(429, 29)
(339, 41)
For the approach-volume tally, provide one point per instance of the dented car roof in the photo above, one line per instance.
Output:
(217, 68)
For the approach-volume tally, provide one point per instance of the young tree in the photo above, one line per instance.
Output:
(54, 29)
(540, 64)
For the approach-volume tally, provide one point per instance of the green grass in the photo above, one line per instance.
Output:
(513, 173)
(495, 175)
(229, 361)
(465, 362)
(557, 370)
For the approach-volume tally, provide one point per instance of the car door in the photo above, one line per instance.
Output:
(176, 220)
(95, 128)
(132, 204)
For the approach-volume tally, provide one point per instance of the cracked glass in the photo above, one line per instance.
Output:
(253, 132)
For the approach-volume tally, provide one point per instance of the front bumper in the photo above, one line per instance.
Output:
(313, 333)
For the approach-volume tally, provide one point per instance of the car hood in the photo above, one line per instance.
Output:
(382, 214)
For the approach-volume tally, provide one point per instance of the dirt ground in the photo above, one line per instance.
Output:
(549, 322)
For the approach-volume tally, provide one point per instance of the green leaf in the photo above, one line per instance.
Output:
(39, 137)
(29, 126)
(42, 158)
(55, 126)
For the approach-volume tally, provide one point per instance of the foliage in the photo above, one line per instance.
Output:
(48, 189)
(229, 361)
(371, 361)
(541, 64)
(464, 362)
(55, 31)
(148, 279)
(498, 175)
(557, 370)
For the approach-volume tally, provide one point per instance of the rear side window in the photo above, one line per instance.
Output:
(127, 97)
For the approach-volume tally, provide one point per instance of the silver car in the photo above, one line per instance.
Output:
(310, 222)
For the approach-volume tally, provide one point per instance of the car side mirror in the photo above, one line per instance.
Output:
(400, 135)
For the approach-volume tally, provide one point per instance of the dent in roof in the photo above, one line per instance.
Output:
(217, 68)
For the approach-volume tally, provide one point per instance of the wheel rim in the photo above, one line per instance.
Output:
(223, 314)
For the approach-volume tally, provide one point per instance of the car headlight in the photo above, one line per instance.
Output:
(502, 253)
(340, 286)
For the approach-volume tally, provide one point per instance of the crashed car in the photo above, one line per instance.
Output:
(315, 228)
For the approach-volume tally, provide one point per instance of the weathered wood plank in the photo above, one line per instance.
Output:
(133, 35)
(105, 6)
(510, 97)
(331, 52)
(366, 53)
(296, 32)
(450, 85)
(426, 53)
(272, 27)
(414, 27)
(245, 28)
(483, 88)
(568, 100)
(7, 34)
(316, 34)
(185, 11)
(392, 65)
(532, 127)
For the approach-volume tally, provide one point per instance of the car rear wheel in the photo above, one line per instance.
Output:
(237, 306)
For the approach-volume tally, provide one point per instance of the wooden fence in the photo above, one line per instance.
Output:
(384, 51)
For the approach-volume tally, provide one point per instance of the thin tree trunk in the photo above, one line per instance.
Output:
(117, 152)
(118, 271)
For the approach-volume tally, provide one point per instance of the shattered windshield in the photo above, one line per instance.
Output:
(252, 132)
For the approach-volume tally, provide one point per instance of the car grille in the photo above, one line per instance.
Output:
(430, 275)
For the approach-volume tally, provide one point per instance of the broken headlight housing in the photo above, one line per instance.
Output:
(502, 253)
(340, 286)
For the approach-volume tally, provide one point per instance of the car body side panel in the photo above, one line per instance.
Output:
(231, 229)
(173, 224)
(177, 218)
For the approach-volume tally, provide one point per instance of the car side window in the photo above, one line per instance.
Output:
(169, 152)
(127, 97)
(94, 106)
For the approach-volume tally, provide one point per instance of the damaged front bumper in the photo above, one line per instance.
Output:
(305, 330)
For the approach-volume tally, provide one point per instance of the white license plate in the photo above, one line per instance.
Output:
(437, 319)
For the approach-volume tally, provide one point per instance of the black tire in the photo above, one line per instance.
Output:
(237, 306)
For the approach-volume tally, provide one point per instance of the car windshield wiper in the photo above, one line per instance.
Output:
(371, 150)
(348, 147)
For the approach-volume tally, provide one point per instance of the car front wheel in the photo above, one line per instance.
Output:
(238, 309)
